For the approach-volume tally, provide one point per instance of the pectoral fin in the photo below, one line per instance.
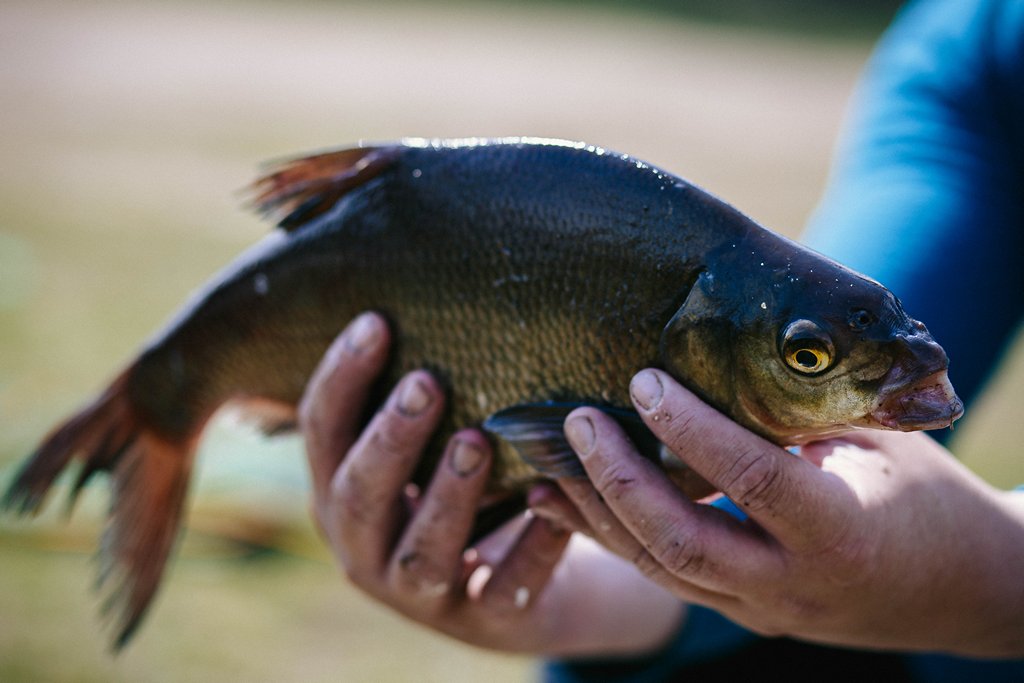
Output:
(535, 431)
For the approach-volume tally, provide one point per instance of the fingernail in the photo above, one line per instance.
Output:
(414, 398)
(646, 390)
(466, 458)
(580, 432)
(363, 334)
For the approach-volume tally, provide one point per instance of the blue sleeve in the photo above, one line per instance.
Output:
(927, 196)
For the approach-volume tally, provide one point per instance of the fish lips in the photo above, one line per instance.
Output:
(930, 403)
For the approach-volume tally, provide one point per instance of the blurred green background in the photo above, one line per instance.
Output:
(127, 131)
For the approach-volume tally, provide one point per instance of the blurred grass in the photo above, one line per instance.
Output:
(220, 618)
(127, 130)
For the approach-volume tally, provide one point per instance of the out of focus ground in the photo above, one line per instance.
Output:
(126, 131)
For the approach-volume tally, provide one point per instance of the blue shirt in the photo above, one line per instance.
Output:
(926, 196)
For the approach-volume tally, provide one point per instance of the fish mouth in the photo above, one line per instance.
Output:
(930, 403)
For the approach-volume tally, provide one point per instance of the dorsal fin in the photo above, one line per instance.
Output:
(298, 190)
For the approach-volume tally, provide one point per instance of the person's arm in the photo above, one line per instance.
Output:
(877, 540)
(526, 589)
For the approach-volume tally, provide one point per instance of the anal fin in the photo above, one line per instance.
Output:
(269, 416)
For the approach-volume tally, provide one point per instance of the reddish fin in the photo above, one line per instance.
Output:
(150, 477)
(299, 190)
(149, 486)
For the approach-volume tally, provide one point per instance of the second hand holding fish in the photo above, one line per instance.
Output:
(868, 540)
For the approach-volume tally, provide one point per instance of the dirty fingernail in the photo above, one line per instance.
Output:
(414, 398)
(646, 390)
(580, 432)
(466, 458)
(362, 334)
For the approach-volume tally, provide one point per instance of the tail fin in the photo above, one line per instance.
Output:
(150, 477)
(301, 189)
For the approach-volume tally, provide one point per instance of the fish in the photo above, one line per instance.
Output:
(531, 276)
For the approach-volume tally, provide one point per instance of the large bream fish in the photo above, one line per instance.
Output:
(531, 276)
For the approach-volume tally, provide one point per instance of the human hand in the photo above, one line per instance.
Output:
(876, 539)
(408, 551)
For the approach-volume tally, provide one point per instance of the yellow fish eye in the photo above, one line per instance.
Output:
(807, 348)
(808, 359)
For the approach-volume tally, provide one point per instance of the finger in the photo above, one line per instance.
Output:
(549, 502)
(427, 561)
(332, 405)
(521, 576)
(613, 536)
(366, 494)
(792, 499)
(696, 543)
(604, 527)
(598, 521)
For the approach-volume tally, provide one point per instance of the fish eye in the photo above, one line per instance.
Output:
(861, 319)
(806, 348)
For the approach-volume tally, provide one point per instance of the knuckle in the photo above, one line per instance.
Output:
(451, 507)
(682, 426)
(679, 552)
(396, 434)
(418, 574)
(614, 480)
(353, 499)
(755, 481)
(645, 562)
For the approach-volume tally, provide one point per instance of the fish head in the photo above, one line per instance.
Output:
(797, 347)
